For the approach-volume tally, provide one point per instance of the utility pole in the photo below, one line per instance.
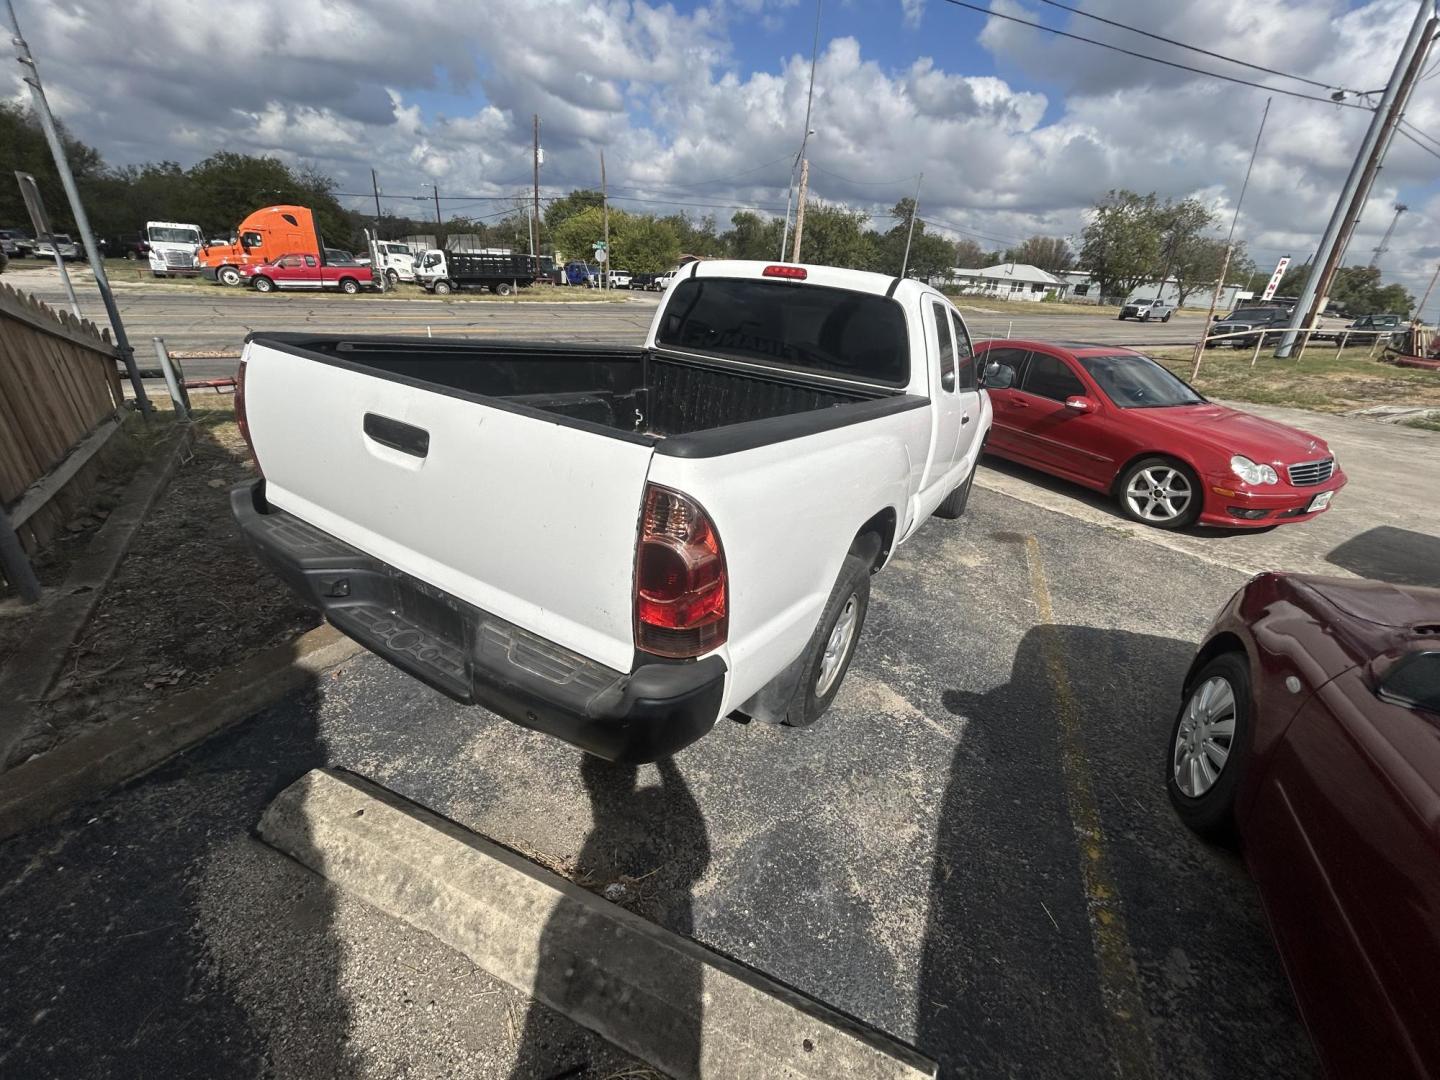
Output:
(910, 232)
(1229, 247)
(1384, 246)
(605, 216)
(439, 221)
(535, 213)
(1362, 173)
(375, 184)
(800, 208)
(1420, 308)
(77, 208)
(804, 142)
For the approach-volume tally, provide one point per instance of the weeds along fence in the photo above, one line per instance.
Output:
(60, 400)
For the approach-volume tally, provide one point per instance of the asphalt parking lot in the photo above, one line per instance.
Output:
(973, 851)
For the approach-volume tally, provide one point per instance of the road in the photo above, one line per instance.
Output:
(198, 318)
(913, 859)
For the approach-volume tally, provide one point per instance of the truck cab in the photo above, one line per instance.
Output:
(394, 260)
(173, 248)
(262, 237)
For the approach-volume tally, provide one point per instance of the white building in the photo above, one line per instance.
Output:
(1083, 290)
(1007, 281)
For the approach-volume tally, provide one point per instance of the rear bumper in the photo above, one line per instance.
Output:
(479, 659)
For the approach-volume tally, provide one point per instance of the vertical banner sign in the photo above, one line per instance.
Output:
(1280, 268)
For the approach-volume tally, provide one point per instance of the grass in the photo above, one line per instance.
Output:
(1423, 423)
(1319, 382)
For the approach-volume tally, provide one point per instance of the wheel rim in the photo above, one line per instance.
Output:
(837, 648)
(1160, 493)
(1204, 737)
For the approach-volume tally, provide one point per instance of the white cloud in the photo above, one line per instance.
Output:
(432, 91)
(911, 12)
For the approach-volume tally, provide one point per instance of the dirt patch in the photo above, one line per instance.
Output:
(188, 599)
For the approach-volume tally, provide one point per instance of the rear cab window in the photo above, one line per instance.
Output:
(807, 328)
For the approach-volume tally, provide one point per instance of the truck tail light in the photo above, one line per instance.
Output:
(241, 419)
(794, 273)
(681, 587)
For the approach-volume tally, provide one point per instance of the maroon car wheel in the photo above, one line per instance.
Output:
(1209, 746)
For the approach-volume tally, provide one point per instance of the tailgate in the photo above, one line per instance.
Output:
(523, 516)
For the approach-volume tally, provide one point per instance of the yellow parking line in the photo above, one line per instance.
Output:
(1124, 1005)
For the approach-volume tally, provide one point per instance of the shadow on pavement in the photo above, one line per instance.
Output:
(646, 849)
(1385, 553)
(1009, 977)
(147, 935)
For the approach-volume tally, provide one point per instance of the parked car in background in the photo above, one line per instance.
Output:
(1147, 309)
(662, 281)
(579, 273)
(46, 248)
(131, 247)
(672, 533)
(1368, 330)
(618, 279)
(642, 281)
(17, 243)
(1116, 421)
(1271, 319)
(173, 248)
(341, 257)
(1309, 729)
(299, 270)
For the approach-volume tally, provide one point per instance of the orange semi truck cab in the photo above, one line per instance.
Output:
(262, 237)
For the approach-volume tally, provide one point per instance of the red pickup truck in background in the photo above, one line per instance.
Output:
(304, 271)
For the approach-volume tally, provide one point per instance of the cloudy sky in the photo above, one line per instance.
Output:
(701, 105)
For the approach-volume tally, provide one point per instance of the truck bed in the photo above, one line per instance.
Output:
(638, 392)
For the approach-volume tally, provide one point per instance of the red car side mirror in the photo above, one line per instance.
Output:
(1080, 404)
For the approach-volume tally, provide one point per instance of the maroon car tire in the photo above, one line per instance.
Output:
(1211, 734)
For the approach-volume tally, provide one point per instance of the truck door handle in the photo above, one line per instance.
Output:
(406, 438)
(1015, 403)
(964, 419)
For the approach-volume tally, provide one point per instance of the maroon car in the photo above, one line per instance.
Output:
(1116, 421)
(1310, 730)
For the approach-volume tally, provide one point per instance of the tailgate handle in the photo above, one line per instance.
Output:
(407, 438)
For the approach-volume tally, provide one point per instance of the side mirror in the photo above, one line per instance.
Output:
(999, 377)
(947, 380)
(1080, 404)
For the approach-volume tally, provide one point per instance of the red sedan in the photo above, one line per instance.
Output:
(1310, 727)
(1116, 421)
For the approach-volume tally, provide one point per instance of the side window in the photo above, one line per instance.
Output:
(289, 262)
(1414, 682)
(310, 261)
(964, 355)
(1003, 367)
(1050, 377)
(291, 219)
(941, 321)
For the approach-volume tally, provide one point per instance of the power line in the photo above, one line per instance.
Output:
(1402, 130)
(1155, 59)
(1416, 131)
(864, 183)
(1193, 48)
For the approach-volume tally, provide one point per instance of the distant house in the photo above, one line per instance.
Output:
(1083, 289)
(1007, 281)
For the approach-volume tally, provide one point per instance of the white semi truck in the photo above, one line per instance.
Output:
(174, 246)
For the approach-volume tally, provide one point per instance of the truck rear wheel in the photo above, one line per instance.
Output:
(228, 275)
(349, 286)
(828, 656)
(503, 289)
(441, 288)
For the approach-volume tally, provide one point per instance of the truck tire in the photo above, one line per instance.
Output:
(349, 286)
(441, 288)
(130, 256)
(228, 275)
(954, 504)
(503, 289)
(263, 284)
(828, 656)
(1121, 316)
(1167, 316)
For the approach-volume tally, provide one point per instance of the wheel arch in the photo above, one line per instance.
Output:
(1224, 642)
(1141, 455)
(875, 539)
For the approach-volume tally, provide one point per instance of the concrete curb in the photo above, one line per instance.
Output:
(90, 764)
(664, 998)
(33, 666)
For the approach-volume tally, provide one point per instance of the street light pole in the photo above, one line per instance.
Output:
(804, 142)
(82, 223)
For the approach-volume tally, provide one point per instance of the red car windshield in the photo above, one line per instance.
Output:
(1132, 381)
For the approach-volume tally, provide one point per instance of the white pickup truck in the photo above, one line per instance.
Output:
(619, 546)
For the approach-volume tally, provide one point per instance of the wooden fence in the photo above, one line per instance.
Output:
(59, 402)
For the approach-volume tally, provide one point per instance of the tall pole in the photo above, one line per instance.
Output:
(1229, 247)
(605, 216)
(1322, 269)
(439, 221)
(800, 208)
(910, 232)
(375, 184)
(77, 208)
(804, 142)
(1420, 308)
(535, 212)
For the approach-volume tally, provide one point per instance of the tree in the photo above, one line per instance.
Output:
(752, 236)
(576, 234)
(835, 236)
(930, 255)
(1198, 265)
(1358, 291)
(567, 206)
(1123, 241)
(1050, 253)
(1181, 224)
(971, 255)
(642, 244)
(695, 238)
